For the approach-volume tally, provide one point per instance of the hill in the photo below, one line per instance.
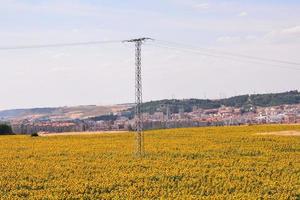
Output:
(242, 101)
(175, 105)
(61, 113)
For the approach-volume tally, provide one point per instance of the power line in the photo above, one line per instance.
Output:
(173, 45)
(229, 53)
(59, 45)
(210, 54)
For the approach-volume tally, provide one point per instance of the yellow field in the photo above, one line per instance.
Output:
(195, 163)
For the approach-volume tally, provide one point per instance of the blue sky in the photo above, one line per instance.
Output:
(105, 74)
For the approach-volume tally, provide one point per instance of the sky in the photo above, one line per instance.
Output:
(103, 74)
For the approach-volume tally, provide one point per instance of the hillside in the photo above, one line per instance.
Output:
(77, 112)
(242, 101)
(187, 105)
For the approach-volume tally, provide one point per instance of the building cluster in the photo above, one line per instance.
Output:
(255, 115)
(50, 126)
(223, 116)
(28, 126)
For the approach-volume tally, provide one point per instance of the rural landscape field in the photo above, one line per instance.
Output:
(192, 163)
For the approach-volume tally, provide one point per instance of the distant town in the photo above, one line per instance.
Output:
(275, 108)
(163, 118)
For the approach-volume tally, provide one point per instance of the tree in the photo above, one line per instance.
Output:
(130, 128)
(5, 129)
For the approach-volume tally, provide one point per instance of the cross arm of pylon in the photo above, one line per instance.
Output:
(138, 39)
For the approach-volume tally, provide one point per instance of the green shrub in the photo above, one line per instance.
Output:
(5, 129)
(34, 134)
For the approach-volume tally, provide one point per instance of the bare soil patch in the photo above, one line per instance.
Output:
(282, 133)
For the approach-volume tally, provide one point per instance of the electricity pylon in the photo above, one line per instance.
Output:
(138, 95)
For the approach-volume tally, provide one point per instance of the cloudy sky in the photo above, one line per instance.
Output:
(104, 74)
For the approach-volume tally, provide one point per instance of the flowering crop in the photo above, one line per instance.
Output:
(190, 163)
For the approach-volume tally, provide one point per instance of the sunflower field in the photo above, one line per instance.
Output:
(188, 163)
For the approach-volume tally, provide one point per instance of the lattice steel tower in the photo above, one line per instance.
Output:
(138, 95)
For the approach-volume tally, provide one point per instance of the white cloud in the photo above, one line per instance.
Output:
(66, 7)
(201, 6)
(291, 34)
(75, 30)
(55, 21)
(251, 37)
(237, 39)
(243, 14)
(292, 31)
(286, 35)
(59, 55)
(229, 39)
(59, 69)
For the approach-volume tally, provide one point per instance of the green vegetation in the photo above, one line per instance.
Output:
(243, 101)
(5, 129)
(34, 134)
(110, 117)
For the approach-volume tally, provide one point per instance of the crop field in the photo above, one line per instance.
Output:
(192, 163)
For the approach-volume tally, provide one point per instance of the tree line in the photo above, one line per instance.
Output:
(242, 101)
(5, 129)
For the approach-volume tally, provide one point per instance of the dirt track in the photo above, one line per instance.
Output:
(282, 133)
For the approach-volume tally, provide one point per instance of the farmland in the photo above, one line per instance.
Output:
(191, 163)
